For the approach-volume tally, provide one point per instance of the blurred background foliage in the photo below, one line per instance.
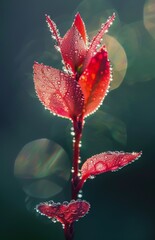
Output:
(122, 202)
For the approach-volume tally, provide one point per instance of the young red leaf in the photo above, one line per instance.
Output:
(58, 92)
(78, 22)
(98, 38)
(95, 81)
(65, 213)
(73, 48)
(108, 161)
(96, 41)
(53, 28)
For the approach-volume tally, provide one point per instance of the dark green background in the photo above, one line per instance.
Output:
(123, 203)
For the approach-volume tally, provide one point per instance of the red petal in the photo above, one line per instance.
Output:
(97, 40)
(95, 81)
(73, 48)
(66, 213)
(78, 22)
(53, 28)
(108, 161)
(58, 91)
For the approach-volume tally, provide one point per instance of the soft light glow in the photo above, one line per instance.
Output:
(149, 17)
(43, 168)
(118, 58)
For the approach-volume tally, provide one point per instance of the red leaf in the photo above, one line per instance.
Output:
(58, 91)
(73, 48)
(73, 44)
(78, 22)
(66, 213)
(108, 161)
(95, 81)
(53, 28)
(96, 41)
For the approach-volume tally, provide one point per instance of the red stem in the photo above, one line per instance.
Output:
(77, 126)
(68, 231)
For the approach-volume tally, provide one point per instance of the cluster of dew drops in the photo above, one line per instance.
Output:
(79, 160)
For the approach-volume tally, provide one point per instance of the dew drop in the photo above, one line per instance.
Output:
(53, 37)
(63, 226)
(93, 60)
(54, 220)
(57, 48)
(83, 212)
(79, 195)
(73, 133)
(80, 144)
(65, 69)
(100, 166)
(91, 176)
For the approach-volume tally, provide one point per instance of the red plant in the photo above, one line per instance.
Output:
(75, 93)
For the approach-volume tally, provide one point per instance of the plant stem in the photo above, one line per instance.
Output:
(77, 126)
(68, 231)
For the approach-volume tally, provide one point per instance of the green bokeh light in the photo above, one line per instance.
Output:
(43, 168)
(149, 17)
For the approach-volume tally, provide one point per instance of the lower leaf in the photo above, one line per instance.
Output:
(65, 213)
(108, 161)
